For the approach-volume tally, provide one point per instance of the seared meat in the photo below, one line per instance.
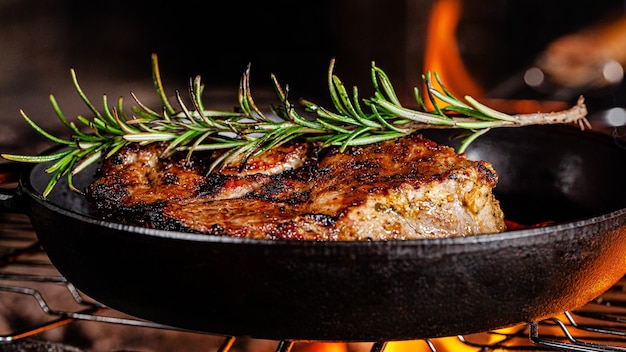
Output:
(408, 188)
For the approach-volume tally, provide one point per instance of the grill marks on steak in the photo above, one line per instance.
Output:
(408, 188)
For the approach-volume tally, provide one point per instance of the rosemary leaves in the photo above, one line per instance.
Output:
(248, 131)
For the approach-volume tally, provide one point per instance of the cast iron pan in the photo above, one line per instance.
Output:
(366, 291)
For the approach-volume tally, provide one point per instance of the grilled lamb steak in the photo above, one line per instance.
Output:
(408, 188)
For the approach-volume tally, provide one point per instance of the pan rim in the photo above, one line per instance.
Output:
(199, 237)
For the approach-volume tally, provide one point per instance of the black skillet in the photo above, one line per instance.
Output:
(366, 291)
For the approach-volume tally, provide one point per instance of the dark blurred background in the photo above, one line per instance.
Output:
(109, 43)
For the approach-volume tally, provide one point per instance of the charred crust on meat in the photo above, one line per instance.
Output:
(105, 199)
(286, 231)
(212, 184)
(116, 159)
(488, 172)
(217, 230)
(150, 215)
(322, 219)
(407, 188)
(170, 179)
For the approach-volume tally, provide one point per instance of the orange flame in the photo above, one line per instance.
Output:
(442, 50)
(321, 347)
(442, 55)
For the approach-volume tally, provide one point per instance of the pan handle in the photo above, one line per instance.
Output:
(10, 200)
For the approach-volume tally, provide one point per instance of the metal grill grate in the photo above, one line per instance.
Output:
(37, 303)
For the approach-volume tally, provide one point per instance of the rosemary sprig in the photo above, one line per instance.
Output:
(249, 132)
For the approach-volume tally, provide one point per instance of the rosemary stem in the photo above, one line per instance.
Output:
(249, 131)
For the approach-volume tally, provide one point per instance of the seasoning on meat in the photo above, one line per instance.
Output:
(407, 188)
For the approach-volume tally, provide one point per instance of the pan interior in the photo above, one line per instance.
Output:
(551, 173)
